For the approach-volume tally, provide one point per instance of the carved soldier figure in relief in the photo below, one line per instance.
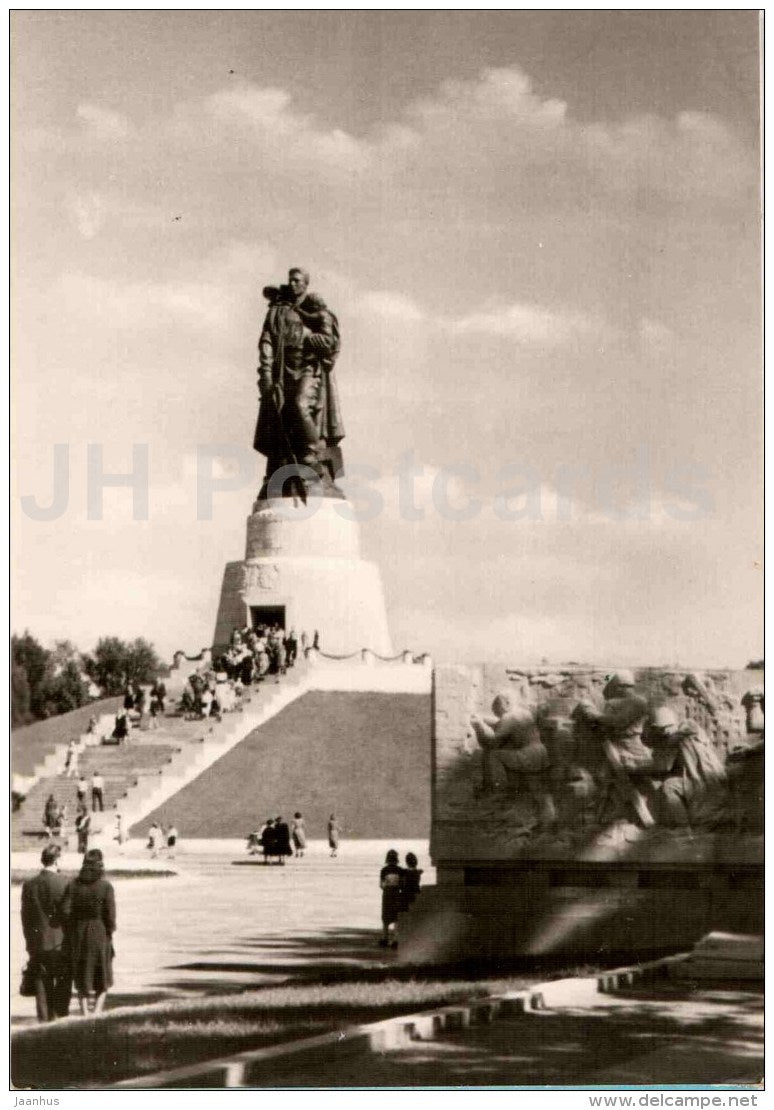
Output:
(628, 759)
(513, 752)
(689, 773)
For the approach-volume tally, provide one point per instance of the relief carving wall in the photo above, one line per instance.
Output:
(582, 763)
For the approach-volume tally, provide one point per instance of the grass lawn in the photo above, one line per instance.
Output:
(363, 756)
(20, 875)
(32, 743)
(95, 1052)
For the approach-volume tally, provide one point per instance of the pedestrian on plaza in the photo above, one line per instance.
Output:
(391, 884)
(80, 789)
(97, 787)
(334, 835)
(41, 913)
(120, 833)
(89, 912)
(155, 839)
(282, 839)
(172, 835)
(412, 877)
(48, 965)
(268, 840)
(298, 833)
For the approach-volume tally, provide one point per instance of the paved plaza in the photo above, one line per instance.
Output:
(224, 923)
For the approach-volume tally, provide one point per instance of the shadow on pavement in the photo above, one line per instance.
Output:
(559, 1049)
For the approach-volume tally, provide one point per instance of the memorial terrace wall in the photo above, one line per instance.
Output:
(591, 810)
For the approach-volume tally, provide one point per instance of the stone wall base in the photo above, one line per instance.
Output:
(641, 910)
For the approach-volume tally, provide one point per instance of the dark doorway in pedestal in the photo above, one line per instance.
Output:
(267, 615)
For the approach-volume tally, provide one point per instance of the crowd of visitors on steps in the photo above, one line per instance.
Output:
(254, 655)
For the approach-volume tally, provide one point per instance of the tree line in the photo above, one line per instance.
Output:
(46, 682)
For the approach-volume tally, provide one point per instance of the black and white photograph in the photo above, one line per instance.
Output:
(386, 561)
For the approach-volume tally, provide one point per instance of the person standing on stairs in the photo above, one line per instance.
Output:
(71, 760)
(97, 787)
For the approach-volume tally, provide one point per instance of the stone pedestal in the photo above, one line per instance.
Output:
(304, 561)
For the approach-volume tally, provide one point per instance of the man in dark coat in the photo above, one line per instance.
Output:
(299, 421)
(41, 903)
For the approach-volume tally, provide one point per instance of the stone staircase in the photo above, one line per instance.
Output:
(146, 770)
(124, 768)
(151, 767)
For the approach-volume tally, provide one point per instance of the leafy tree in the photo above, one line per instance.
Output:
(143, 664)
(44, 683)
(66, 690)
(107, 666)
(754, 665)
(115, 662)
(64, 652)
(20, 697)
(35, 660)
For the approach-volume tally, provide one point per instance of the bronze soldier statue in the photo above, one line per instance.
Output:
(299, 425)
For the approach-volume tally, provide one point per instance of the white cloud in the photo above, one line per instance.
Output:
(103, 122)
(215, 304)
(531, 325)
(491, 135)
(143, 305)
(268, 116)
(390, 306)
(497, 93)
(88, 212)
(497, 123)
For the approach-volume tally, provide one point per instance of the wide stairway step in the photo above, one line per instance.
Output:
(122, 768)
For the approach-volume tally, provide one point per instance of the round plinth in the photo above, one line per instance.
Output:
(302, 570)
(284, 528)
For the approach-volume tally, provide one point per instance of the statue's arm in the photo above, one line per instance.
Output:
(483, 730)
(322, 341)
(265, 357)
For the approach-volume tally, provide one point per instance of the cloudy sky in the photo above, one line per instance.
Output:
(540, 232)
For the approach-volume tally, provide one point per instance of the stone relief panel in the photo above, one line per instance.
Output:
(260, 576)
(590, 764)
